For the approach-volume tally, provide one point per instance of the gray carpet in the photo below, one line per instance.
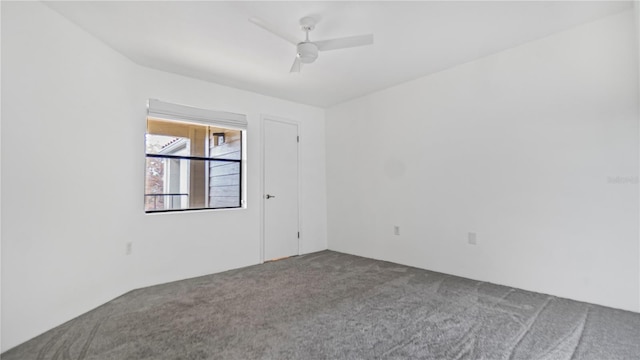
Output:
(329, 305)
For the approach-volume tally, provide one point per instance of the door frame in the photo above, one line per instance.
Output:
(263, 119)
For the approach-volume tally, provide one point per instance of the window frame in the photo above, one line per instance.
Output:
(181, 114)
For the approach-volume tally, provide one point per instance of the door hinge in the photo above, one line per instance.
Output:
(298, 234)
(298, 138)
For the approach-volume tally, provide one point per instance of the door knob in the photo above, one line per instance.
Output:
(269, 196)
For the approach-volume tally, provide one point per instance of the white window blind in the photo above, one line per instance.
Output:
(165, 110)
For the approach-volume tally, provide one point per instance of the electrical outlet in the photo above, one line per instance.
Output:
(396, 230)
(472, 238)
(129, 248)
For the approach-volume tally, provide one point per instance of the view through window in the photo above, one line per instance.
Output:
(192, 166)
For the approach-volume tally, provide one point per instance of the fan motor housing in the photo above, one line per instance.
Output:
(307, 52)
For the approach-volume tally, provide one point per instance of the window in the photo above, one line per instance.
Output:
(194, 158)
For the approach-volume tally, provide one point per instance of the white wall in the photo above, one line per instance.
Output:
(0, 193)
(535, 149)
(73, 119)
(636, 7)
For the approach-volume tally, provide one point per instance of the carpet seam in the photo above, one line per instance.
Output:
(529, 326)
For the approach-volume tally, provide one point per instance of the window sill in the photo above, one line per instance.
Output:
(163, 212)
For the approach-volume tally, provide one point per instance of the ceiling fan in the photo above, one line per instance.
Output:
(307, 50)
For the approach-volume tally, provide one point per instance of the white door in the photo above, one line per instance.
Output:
(280, 189)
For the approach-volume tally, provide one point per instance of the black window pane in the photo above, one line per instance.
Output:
(181, 184)
(225, 143)
(224, 184)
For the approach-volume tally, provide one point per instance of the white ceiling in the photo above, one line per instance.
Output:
(215, 41)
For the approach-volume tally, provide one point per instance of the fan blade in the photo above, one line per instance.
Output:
(297, 65)
(345, 42)
(270, 28)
